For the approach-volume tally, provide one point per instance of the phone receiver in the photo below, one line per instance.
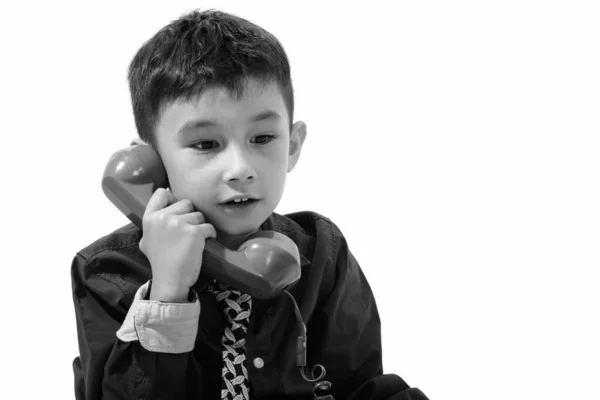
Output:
(265, 264)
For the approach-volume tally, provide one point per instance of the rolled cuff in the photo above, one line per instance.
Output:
(161, 327)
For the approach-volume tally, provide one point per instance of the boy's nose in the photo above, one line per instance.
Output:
(238, 167)
(239, 177)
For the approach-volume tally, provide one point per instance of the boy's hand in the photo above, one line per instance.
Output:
(173, 241)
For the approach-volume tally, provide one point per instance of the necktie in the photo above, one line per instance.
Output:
(237, 308)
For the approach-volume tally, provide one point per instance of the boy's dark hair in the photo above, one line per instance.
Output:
(202, 50)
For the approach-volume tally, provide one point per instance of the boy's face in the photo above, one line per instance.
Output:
(230, 154)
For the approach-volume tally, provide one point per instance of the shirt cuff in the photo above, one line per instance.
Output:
(161, 327)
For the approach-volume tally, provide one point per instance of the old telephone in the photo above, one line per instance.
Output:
(264, 266)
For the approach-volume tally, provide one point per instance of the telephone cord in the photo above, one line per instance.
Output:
(321, 388)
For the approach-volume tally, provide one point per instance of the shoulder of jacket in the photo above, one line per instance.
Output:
(310, 222)
(121, 239)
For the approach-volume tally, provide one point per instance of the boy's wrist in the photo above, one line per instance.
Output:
(168, 294)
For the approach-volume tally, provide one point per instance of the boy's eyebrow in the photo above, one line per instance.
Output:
(208, 123)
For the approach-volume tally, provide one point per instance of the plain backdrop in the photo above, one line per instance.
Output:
(456, 145)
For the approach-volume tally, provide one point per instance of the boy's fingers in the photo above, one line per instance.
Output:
(194, 218)
(171, 197)
(208, 230)
(180, 207)
(158, 201)
(164, 199)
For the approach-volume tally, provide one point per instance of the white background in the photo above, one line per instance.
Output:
(456, 144)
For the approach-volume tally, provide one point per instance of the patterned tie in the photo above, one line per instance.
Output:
(237, 308)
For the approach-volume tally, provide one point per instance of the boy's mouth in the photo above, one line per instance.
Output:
(240, 199)
(239, 208)
(239, 202)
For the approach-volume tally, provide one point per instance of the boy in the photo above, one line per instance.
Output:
(212, 94)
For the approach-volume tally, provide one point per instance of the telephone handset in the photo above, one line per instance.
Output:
(264, 265)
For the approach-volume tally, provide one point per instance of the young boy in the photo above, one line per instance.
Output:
(212, 94)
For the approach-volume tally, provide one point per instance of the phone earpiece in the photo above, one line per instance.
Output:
(131, 176)
(265, 264)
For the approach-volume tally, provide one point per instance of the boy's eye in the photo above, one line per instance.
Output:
(200, 145)
(269, 137)
(207, 145)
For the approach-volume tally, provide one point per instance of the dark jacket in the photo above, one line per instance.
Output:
(335, 300)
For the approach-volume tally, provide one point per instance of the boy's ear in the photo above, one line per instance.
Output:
(297, 137)
(137, 140)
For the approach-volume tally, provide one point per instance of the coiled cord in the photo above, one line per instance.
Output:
(321, 388)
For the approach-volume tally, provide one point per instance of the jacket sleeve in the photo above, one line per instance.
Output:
(348, 330)
(151, 357)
